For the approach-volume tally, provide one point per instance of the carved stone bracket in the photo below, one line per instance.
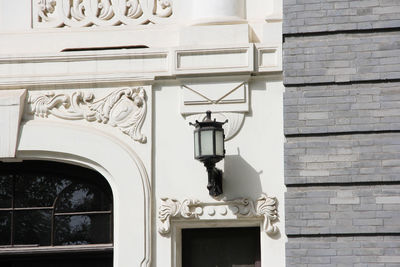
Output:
(124, 108)
(227, 99)
(84, 13)
(264, 207)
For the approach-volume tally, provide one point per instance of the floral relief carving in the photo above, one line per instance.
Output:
(84, 13)
(124, 109)
(264, 207)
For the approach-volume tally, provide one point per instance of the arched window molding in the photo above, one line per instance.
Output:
(125, 172)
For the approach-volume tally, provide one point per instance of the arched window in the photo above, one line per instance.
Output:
(54, 208)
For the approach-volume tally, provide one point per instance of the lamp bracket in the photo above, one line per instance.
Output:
(214, 185)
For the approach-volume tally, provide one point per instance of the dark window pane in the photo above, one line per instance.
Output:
(5, 228)
(38, 190)
(83, 197)
(82, 229)
(32, 227)
(5, 191)
(68, 259)
(222, 247)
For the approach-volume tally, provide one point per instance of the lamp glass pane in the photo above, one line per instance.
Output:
(196, 144)
(207, 143)
(219, 143)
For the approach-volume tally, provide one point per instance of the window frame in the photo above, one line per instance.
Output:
(74, 173)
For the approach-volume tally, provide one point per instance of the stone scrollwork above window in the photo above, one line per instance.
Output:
(124, 109)
(264, 208)
(84, 13)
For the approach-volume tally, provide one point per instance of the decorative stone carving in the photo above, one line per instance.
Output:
(264, 207)
(84, 13)
(124, 108)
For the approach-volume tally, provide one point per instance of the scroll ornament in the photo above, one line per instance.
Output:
(264, 207)
(124, 109)
(85, 13)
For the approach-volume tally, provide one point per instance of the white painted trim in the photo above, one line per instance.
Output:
(141, 65)
(54, 140)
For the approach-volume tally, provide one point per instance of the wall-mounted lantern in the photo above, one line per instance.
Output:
(209, 148)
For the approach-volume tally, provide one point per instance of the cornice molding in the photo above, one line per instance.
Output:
(124, 108)
(145, 65)
(264, 208)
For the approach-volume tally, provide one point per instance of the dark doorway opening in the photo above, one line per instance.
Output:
(221, 247)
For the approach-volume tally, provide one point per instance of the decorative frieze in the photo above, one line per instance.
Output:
(85, 13)
(264, 208)
(124, 108)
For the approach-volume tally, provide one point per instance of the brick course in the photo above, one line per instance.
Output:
(342, 108)
(343, 159)
(343, 210)
(344, 251)
(304, 16)
(341, 58)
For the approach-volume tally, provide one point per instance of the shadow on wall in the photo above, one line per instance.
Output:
(240, 178)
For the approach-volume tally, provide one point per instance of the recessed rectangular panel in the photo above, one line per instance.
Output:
(214, 60)
(217, 93)
(268, 58)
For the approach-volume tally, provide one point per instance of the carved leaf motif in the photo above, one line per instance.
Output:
(124, 109)
(45, 7)
(168, 208)
(163, 8)
(134, 9)
(85, 13)
(264, 207)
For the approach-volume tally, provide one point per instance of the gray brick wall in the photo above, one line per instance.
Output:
(342, 108)
(343, 210)
(344, 251)
(343, 159)
(342, 58)
(303, 16)
(342, 127)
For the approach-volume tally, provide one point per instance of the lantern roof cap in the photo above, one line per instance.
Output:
(208, 122)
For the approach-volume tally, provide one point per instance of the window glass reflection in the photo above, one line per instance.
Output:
(38, 190)
(5, 229)
(32, 227)
(82, 229)
(83, 197)
(48, 203)
(5, 191)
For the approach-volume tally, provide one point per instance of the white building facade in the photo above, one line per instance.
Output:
(111, 85)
